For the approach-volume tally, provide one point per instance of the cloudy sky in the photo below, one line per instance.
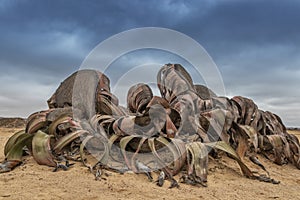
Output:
(255, 45)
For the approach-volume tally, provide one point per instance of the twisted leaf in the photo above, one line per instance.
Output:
(99, 157)
(12, 141)
(41, 149)
(67, 139)
(223, 146)
(138, 97)
(64, 118)
(123, 144)
(252, 134)
(14, 155)
(36, 121)
(197, 160)
(176, 147)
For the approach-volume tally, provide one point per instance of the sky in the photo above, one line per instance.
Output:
(255, 45)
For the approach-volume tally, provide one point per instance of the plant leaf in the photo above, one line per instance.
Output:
(41, 149)
(61, 119)
(12, 141)
(67, 139)
(197, 158)
(100, 158)
(14, 155)
(223, 146)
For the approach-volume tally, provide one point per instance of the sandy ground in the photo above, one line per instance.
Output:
(32, 181)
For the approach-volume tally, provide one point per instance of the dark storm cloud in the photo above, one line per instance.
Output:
(241, 23)
(254, 43)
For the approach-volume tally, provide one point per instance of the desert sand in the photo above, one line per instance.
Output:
(225, 181)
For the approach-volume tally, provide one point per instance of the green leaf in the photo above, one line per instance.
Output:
(16, 152)
(12, 141)
(41, 149)
(14, 155)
